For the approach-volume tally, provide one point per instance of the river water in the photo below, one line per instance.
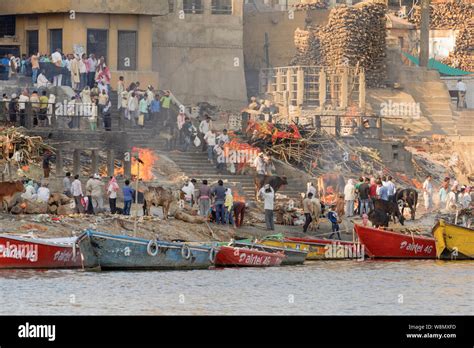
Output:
(317, 288)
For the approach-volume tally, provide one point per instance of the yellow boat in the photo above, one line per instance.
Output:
(333, 250)
(453, 242)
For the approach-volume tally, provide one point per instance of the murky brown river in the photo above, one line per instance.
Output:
(317, 288)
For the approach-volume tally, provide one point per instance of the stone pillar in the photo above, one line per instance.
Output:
(76, 162)
(362, 92)
(338, 126)
(279, 86)
(94, 163)
(344, 89)
(110, 163)
(425, 33)
(300, 86)
(289, 85)
(322, 88)
(127, 163)
(207, 4)
(59, 163)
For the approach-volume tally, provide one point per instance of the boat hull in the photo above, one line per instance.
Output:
(293, 256)
(112, 252)
(392, 245)
(30, 253)
(243, 257)
(453, 242)
(328, 249)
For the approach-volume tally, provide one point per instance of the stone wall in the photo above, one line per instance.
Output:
(199, 57)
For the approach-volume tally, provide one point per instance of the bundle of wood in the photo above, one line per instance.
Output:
(354, 36)
(19, 147)
(463, 55)
(311, 5)
(308, 46)
(448, 15)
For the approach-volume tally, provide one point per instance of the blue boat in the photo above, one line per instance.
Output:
(114, 252)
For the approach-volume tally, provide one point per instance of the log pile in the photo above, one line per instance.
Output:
(308, 46)
(313, 5)
(448, 15)
(354, 36)
(24, 149)
(463, 55)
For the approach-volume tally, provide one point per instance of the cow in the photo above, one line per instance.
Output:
(276, 182)
(159, 197)
(378, 218)
(390, 208)
(407, 198)
(8, 190)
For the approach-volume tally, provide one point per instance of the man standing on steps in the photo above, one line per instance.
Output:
(165, 105)
(462, 88)
(204, 127)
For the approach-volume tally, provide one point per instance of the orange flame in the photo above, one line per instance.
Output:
(148, 157)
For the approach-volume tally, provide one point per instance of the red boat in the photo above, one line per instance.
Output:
(244, 257)
(394, 245)
(29, 252)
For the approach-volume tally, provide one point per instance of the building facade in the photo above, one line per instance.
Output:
(119, 30)
(198, 51)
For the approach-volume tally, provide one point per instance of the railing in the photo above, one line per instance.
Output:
(58, 116)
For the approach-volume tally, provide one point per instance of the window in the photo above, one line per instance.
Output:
(97, 42)
(55, 40)
(7, 26)
(127, 50)
(32, 39)
(223, 7)
(192, 6)
(171, 6)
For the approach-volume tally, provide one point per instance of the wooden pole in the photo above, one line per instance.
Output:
(136, 199)
(425, 33)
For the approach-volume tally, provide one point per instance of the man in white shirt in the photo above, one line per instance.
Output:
(224, 137)
(428, 193)
(259, 164)
(204, 127)
(22, 100)
(462, 88)
(76, 191)
(210, 139)
(43, 193)
(311, 189)
(188, 190)
(391, 188)
(57, 60)
(268, 195)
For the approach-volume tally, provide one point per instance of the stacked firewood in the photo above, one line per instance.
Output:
(308, 46)
(354, 36)
(448, 15)
(312, 5)
(463, 55)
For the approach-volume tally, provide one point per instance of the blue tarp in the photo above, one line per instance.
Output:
(442, 68)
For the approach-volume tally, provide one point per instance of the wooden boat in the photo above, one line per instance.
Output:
(246, 257)
(322, 249)
(108, 252)
(29, 252)
(385, 244)
(453, 242)
(293, 256)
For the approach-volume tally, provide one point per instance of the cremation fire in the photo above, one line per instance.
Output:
(148, 157)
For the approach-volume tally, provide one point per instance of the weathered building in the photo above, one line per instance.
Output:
(198, 51)
(119, 30)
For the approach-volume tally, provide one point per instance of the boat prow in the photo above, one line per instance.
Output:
(453, 242)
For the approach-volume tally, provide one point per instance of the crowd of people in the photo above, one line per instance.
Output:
(216, 203)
